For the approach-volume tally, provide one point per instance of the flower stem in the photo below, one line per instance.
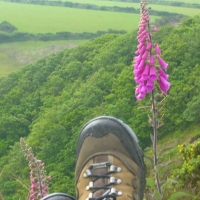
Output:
(39, 176)
(1, 196)
(154, 113)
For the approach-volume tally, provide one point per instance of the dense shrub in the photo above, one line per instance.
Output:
(189, 172)
(7, 27)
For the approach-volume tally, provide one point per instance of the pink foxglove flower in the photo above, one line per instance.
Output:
(32, 196)
(152, 60)
(155, 29)
(162, 62)
(157, 48)
(152, 74)
(145, 54)
(145, 73)
(38, 188)
(149, 46)
(164, 84)
(141, 64)
(34, 186)
(149, 85)
(148, 69)
(162, 73)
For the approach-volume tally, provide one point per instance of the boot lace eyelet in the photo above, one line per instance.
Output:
(111, 193)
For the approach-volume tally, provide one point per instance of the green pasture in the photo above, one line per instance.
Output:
(179, 10)
(49, 19)
(186, 1)
(17, 54)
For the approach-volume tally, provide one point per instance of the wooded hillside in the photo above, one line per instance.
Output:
(48, 102)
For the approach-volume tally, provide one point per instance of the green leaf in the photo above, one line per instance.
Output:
(167, 183)
(157, 195)
(150, 182)
(179, 194)
(152, 138)
(148, 149)
(150, 160)
(163, 169)
(166, 149)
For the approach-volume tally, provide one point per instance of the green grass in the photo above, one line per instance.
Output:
(17, 54)
(49, 19)
(186, 1)
(43, 19)
(180, 10)
(171, 141)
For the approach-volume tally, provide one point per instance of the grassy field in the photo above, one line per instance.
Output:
(17, 54)
(186, 1)
(44, 19)
(37, 19)
(180, 10)
(48, 19)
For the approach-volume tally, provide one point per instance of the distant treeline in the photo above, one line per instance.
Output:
(96, 7)
(174, 20)
(167, 3)
(20, 36)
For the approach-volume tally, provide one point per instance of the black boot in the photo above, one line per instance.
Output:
(58, 196)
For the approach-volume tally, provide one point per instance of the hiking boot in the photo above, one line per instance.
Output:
(109, 162)
(58, 196)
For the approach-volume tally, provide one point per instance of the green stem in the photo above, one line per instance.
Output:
(155, 142)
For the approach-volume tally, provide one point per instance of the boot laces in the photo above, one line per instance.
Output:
(111, 193)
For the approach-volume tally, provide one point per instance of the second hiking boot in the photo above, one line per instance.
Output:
(58, 196)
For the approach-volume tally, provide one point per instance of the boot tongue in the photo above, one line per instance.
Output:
(101, 181)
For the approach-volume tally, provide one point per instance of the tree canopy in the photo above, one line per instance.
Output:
(49, 101)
